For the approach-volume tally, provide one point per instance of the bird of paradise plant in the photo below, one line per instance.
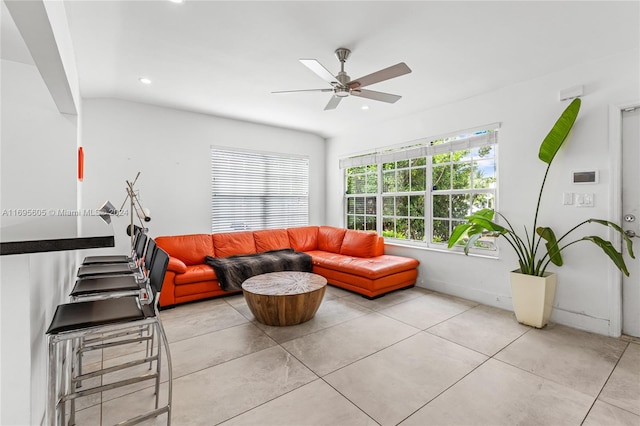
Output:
(532, 260)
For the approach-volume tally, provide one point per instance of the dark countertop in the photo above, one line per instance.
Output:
(56, 233)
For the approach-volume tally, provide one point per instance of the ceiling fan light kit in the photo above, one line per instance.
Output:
(342, 86)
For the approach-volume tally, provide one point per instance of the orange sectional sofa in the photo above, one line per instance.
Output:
(353, 260)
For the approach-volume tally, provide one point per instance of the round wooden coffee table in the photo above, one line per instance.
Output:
(284, 298)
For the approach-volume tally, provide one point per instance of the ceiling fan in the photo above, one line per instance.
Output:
(342, 85)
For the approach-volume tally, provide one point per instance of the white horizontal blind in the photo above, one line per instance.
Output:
(483, 136)
(252, 190)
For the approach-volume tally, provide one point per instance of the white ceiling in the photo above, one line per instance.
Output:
(226, 57)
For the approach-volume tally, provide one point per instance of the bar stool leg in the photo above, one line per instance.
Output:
(150, 343)
(52, 388)
(163, 341)
(78, 349)
(158, 368)
(75, 365)
(67, 363)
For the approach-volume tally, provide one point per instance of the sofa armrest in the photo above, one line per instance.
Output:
(167, 294)
(176, 265)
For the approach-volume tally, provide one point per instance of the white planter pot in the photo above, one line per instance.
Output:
(533, 297)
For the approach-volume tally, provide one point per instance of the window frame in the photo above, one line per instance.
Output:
(353, 212)
(421, 149)
(471, 191)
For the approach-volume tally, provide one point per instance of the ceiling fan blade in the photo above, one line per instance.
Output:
(304, 90)
(320, 70)
(376, 96)
(333, 103)
(393, 71)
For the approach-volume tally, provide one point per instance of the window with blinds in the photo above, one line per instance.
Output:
(253, 190)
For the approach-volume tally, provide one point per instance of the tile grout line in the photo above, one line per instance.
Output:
(318, 376)
(249, 321)
(446, 389)
(605, 384)
(550, 379)
(489, 357)
(376, 311)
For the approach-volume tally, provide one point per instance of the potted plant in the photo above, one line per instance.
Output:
(533, 288)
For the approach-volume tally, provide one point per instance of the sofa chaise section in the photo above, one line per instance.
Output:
(355, 260)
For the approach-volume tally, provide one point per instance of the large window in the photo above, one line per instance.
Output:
(252, 190)
(419, 193)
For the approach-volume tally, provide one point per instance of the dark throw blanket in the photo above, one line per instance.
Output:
(232, 271)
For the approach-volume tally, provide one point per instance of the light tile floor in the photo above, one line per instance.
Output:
(412, 357)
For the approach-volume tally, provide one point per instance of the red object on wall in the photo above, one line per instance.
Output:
(80, 164)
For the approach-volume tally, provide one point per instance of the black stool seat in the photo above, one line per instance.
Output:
(95, 313)
(101, 281)
(106, 269)
(116, 258)
(137, 251)
(105, 285)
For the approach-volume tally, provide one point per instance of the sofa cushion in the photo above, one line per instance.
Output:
(359, 243)
(233, 243)
(372, 267)
(191, 249)
(198, 290)
(330, 238)
(196, 273)
(303, 238)
(271, 239)
(176, 265)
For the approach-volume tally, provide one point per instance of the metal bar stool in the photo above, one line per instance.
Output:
(118, 269)
(74, 321)
(105, 286)
(137, 251)
(109, 287)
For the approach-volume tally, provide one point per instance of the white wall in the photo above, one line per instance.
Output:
(38, 144)
(171, 149)
(38, 171)
(527, 111)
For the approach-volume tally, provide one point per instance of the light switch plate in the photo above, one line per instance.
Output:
(567, 198)
(585, 200)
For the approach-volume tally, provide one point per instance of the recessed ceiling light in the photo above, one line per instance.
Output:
(176, 1)
(144, 80)
(365, 107)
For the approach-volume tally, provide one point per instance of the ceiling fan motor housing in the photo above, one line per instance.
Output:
(343, 89)
(343, 79)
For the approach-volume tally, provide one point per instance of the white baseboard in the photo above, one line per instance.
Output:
(503, 301)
